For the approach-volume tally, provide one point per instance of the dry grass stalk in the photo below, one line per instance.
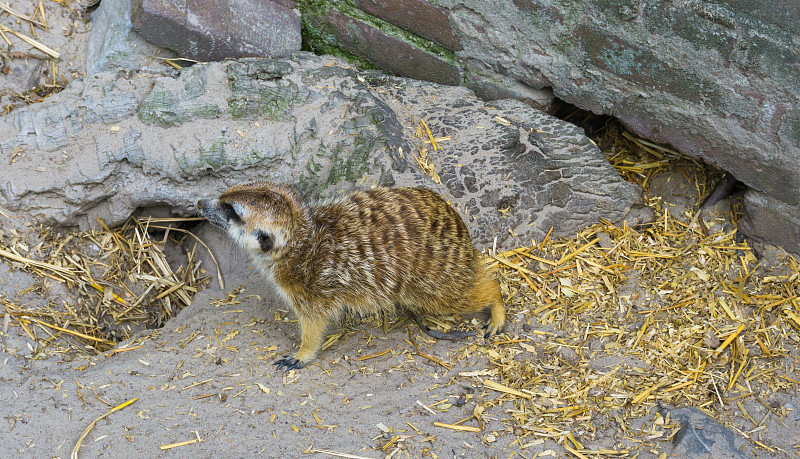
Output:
(421, 157)
(457, 427)
(120, 280)
(336, 454)
(9, 10)
(74, 454)
(197, 439)
(41, 47)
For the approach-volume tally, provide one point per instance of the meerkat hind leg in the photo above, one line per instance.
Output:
(312, 335)
(488, 292)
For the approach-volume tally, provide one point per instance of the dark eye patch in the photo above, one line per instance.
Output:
(230, 212)
(265, 241)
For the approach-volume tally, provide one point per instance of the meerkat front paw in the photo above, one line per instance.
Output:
(289, 363)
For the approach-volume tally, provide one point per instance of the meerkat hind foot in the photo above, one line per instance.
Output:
(493, 329)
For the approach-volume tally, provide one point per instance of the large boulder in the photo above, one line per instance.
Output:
(211, 31)
(110, 145)
(718, 81)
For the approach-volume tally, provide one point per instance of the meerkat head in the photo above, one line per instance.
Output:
(261, 217)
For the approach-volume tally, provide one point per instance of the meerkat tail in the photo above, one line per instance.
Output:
(454, 335)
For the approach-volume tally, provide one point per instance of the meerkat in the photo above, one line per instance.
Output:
(367, 251)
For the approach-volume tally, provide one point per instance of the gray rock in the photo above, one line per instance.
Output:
(719, 81)
(112, 43)
(387, 52)
(418, 16)
(702, 437)
(107, 147)
(212, 31)
(769, 219)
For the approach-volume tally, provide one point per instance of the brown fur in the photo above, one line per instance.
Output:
(368, 251)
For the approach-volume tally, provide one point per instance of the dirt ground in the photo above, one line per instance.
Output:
(204, 384)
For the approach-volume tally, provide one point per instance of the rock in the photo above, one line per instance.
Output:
(109, 146)
(112, 43)
(701, 436)
(387, 52)
(543, 99)
(710, 339)
(417, 16)
(768, 219)
(212, 31)
(568, 355)
(233, 262)
(717, 81)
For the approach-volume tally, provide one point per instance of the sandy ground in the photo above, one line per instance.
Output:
(208, 373)
(26, 72)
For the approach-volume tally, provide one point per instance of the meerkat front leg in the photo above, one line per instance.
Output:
(312, 335)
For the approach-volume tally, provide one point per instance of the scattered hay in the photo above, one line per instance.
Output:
(677, 312)
(20, 29)
(425, 164)
(83, 436)
(120, 281)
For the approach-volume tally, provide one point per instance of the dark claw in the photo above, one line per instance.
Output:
(288, 363)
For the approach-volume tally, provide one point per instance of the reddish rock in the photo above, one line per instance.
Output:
(387, 52)
(416, 16)
(212, 31)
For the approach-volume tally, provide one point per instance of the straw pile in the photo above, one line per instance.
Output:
(119, 280)
(618, 320)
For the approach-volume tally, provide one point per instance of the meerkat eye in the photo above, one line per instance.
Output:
(265, 241)
(230, 212)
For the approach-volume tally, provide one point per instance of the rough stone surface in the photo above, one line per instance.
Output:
(702, 437)
(211, 31)
(113, 44)
(108, 146)
(716, 80)
(768, 220)
(543, 98)
(235, 264)
(417, 16)
(388, 53)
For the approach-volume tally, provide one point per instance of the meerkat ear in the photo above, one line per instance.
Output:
(265, 241)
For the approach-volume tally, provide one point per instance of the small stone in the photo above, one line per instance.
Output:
(604, 240)
(710, 339)
(701, 436)
(567, 354)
